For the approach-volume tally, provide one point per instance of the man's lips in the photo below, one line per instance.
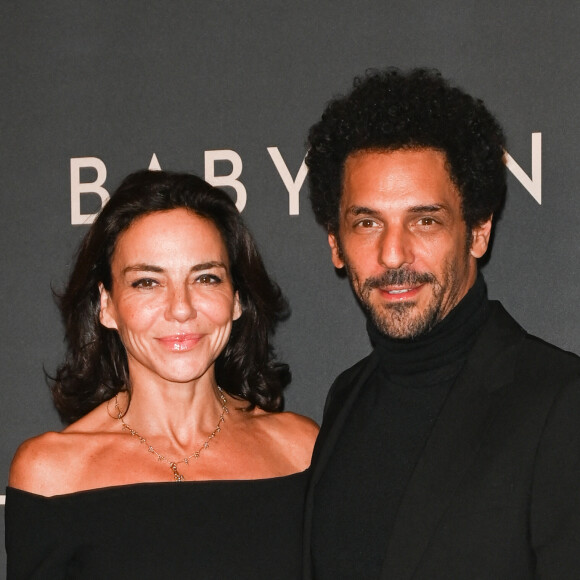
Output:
(398, 293)
(180, 342)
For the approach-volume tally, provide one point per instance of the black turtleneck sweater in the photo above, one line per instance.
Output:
(359, 493)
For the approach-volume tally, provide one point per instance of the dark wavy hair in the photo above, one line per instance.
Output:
(96, 369)
(390, 110)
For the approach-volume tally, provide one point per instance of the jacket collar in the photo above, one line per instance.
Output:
(454, 442)
(465, 417)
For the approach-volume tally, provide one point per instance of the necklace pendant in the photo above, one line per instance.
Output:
(161, 458)
(176, 475)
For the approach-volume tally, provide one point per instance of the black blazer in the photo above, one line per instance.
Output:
(496, 492)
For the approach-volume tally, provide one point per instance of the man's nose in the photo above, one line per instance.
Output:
(396, 247)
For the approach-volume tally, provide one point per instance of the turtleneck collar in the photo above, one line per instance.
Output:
(443, 349)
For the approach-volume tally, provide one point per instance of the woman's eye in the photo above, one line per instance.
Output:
(208, 279)
(144, 283)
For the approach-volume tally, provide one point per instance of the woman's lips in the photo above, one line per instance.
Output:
(180, 342)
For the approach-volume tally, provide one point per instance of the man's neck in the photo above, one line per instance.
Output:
(447, 342)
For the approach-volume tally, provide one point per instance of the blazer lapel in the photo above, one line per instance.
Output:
(453, 444)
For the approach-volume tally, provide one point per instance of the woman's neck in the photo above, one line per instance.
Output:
(179, 411)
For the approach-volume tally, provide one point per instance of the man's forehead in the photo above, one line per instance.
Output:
(413, 177)
(436, 208)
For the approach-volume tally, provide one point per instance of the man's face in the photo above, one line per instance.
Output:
(402, 239)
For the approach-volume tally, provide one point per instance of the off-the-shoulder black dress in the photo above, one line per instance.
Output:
(249, 529)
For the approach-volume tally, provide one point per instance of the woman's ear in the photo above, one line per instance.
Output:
(107, 311)
(237, 306)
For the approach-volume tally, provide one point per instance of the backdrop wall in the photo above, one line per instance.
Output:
(94, 90)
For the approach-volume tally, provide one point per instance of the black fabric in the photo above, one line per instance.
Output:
(495, 493)
(239, 530)
(389, 425)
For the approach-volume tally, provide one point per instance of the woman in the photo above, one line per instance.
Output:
(176, 459)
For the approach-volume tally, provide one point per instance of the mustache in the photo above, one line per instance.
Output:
(399, 277)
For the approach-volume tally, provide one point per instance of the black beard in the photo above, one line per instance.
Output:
(399, 277)
(393, 319)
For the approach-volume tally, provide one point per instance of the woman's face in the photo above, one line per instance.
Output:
(171, 299)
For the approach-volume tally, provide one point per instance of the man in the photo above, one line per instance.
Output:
(453, 450)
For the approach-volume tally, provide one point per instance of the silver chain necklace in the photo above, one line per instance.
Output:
(173, 464)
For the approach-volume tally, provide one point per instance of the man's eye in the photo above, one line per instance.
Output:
(427, 221)
(208, 279)
(144, 283)
(366, 223)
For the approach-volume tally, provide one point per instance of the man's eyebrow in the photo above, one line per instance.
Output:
(428, 208)
(357, 210)
(361, 210)
(160, 270)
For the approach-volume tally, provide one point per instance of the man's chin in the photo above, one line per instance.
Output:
(402, 321)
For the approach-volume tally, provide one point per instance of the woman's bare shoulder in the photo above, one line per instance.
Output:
(39, 462)
(292, 434)
(42, 464)
(296, 425)
(286, 424)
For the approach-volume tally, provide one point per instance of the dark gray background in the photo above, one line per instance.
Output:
(121, 81)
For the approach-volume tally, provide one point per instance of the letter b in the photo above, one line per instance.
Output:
(230, 180)
(77, 188)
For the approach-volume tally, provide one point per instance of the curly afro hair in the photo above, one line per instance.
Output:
(390, 110)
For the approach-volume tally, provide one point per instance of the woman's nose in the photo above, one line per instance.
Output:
(181, 304)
